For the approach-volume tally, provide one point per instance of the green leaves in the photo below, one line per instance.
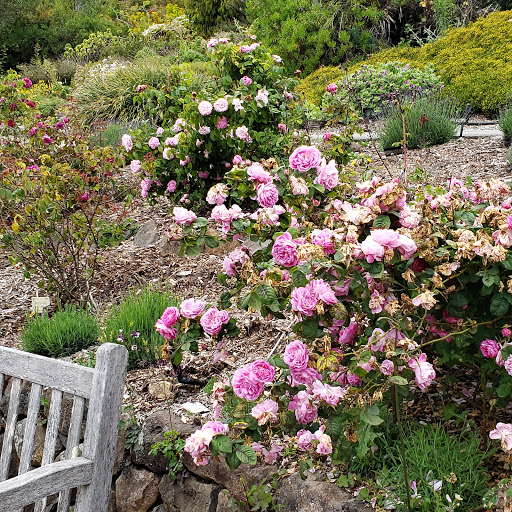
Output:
(499, 305)
(371, 416)
(238, 453)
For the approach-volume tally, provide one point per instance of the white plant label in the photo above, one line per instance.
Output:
(39, 304)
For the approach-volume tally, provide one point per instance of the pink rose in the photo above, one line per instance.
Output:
(256, 173)
(127, 142)
(296, 355)
(261, 371)
(386, 237)
(168, 332)
(305, 158)
(327, 174)
(424, 371)
(171, 186)
(216, 426)
(282, 128)
(284, 251)
(237, 159)
(167, 155)
(304, 300)
(325, 238)
(305, 411)
(205, 108)
(221, 105)
(153, 142)
(489, 348)
(323, 291)
(265, 412)
(246, 80)
(191, 308)
(387, 367)
(332, 88)
(217, 194)
(135, 166)
(503, 432)
(267, 194)
(222, 123)
(170, 316)
(213, 319)
(327, 136)
(183, 216)
(508, 365)
(305, 376)
(372, 250)
(304, 441)
(244, 386)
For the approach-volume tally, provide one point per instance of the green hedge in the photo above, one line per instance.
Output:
(473, 62)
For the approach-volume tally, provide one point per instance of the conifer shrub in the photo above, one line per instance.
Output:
(473, 62)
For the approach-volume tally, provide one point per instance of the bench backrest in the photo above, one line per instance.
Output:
(101, 391)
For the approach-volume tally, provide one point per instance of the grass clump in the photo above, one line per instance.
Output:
(132, 324)
(65, 333)
(440, 464)
(428, 122)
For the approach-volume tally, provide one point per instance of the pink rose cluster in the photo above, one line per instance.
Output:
(308, 441)
(424, 372)
(305, 299)
(165, 324)
(182, 216)
(226, 215)
(248, 382)
(296, 356)
(284, 250)
(198, 443)
(374, 246)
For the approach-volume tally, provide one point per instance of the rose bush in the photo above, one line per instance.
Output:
(383, 285)
(243, 110)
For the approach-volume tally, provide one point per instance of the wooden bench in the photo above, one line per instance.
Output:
(101, 391)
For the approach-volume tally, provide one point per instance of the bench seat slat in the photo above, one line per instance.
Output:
(10, 426)
(26, 489)
(67, 377)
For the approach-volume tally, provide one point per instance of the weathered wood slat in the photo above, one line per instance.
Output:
(67, 377)
(30, 428)
(1, 384)
(75, 429)
(50, 440)
(10, 425)
(44, 481)
(103, 416)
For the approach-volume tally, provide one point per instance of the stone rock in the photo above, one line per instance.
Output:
(65, 412)
(224, 502)
(147, 235)
(167, 247)
(162, 389)
(37, 453)
(315, 495)
(152, 431)
(188, 495)
(252, 247)
(136, 490)
(112, 500)
(160, 508)
(219, 472)
(24, 398)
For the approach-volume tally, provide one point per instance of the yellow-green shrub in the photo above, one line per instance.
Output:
(473, 62)
(312, 88)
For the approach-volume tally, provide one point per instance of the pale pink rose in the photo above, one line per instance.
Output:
(186, 161)
(135, 166)
(242, 132)
(172, 141)
(296, 355)
(205, 108)
(127, 142)
(237, 104)
(503, 432)
(299, 186)
(332, 88)
(329, 394)
(327, 174)
(256, 172)
(229, 266)
(386, 237)
(222, 123)
(305, 158)
(212, 321)
(377, 340)
(145, 186)
(265, 412)
(179, 124)
(267, 194)
(387, 367)
(409, 218)
(167, 155)
(237, 159)
(204, 130)
(261, 98)
(324, 442)
(323, 291)
(282, 128)
(183, 216)
(197, 445)
(171, 186)
(424, 371)
(216, 426)
(269, 456)
(304, 376)
(508, 365)
(246, 80)
(244, 386)
(304, 300)
(371, 249)
(407, 247)
(262, 371)
(221, 105)
(212, 43)
(305, 411)
(191, 308)
(304, 440)
(153, 142)
(489, 348)
(217, 194)
(284, 251)
(159, 130)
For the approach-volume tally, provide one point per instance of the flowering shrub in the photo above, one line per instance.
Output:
(370, 88)
(381, 284)
(245, 112)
